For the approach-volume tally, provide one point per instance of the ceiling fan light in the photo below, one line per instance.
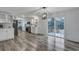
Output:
(44, 16)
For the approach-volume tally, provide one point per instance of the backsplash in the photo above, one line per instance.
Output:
(5, 25)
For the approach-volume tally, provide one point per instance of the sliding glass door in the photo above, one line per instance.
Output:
(56, 33)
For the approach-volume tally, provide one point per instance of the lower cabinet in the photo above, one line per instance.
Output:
(6, 34)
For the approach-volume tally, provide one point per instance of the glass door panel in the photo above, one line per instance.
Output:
(56, 33)
(59, 27)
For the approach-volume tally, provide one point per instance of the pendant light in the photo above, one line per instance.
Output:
(44, 15)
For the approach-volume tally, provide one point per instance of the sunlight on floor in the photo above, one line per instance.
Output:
(55, 43)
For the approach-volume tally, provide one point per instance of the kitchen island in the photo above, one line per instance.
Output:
(6, 33)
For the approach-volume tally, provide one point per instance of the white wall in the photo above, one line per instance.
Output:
(43, 26)
(71, 23)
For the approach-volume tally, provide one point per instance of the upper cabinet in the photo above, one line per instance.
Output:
(5, 17)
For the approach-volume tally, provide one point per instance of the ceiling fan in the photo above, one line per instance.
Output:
(42, 11)
(44, 15)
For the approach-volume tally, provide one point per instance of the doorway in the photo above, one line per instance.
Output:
(56, 33)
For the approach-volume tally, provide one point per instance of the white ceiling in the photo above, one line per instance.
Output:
(32, 10)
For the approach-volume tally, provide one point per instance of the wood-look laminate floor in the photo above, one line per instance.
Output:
(71, 46)
(25, 42)
(31, 42)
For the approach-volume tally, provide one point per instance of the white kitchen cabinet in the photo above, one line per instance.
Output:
(6, 34)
